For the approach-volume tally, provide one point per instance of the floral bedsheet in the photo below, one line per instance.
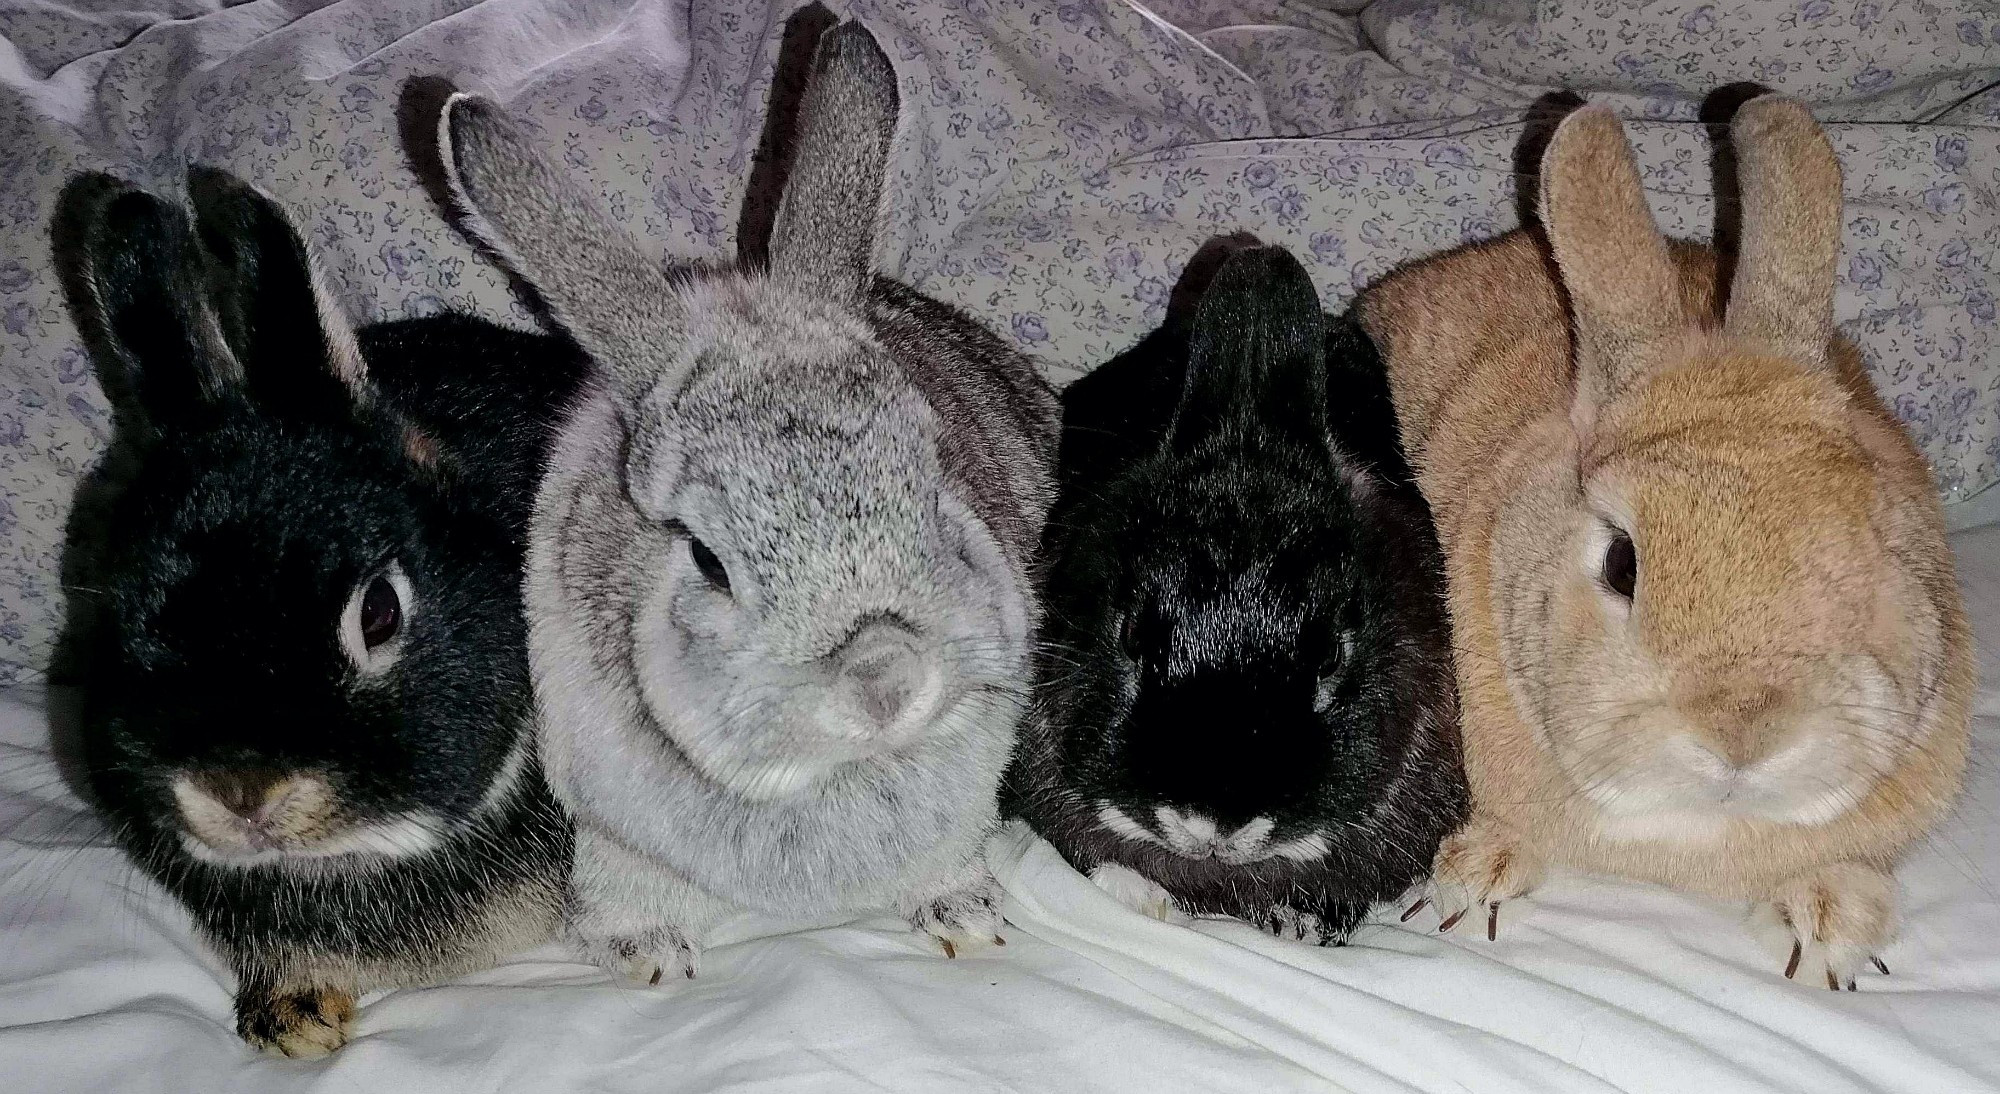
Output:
(1059, 161)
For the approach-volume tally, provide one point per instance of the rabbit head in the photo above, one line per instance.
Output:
(1733, 599)
(1236, 675)
(299, 652)
(753, 482)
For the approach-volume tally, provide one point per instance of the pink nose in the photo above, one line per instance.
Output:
(895, 680)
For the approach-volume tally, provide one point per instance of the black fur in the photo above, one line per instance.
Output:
(251, 487)
(1233, 485)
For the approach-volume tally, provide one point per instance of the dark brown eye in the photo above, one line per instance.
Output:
(1621, 565)
(1128, 635)
(381, 613)
(709, 565)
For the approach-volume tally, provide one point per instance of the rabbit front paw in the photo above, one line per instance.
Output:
(1134, 890)
(1481, 864)
(1838, 918)
(960, 919)
(645, 956)
(1325, 926)
(303, 1024)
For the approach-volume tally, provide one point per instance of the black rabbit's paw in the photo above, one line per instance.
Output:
(303, 1024)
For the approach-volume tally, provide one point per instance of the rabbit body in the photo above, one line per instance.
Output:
(1708, 630)
(306, 703)
(1246, 697)
(781, 570)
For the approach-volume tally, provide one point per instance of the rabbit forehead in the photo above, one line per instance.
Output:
(816, 456)
(1753, 502)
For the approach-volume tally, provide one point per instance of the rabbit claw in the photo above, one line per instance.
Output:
(1482, 863)
(645, 957)
(1836, 916)
(962, 919)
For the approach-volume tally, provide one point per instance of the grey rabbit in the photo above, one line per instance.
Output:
(781, 569)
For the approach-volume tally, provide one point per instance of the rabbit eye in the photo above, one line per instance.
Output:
(709, 565)
(377, 614)
(1128, 635)
(1338, 654)
(1621, 565)
(381, 613)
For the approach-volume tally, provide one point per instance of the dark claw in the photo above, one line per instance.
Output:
(1792, 966)
(1451, 922)
(1879, 966)
(690, 973)
(1493, 922)
(1414, 909)
(949, 949)
(1851, 987)
(656, 975)
(998, 941)
(1832, 981)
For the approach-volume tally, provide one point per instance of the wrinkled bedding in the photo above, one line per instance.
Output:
(1060, 161)
(1593, 986)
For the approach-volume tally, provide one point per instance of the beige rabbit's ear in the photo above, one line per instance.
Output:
(1782, 292)
(1623, 287)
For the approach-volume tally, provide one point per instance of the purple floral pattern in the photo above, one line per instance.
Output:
(1059, 163)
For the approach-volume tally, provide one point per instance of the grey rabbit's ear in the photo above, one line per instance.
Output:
(1256, 353)
(295, 348)
(1782, 291)
(137, 288)
(597, 281)
(824, 236)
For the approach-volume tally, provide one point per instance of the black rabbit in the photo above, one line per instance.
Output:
(306, 701)
(1245, 701)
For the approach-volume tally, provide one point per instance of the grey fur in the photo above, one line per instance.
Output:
(870, 467)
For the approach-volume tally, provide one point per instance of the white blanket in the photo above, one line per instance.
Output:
(1593, 986)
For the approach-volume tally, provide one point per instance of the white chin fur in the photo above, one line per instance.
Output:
(1684, 793)
(404, 836)
(1192, 835)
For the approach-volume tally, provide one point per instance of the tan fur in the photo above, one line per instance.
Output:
(1795, 587)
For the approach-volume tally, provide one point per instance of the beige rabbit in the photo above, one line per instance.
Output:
(1707, 627)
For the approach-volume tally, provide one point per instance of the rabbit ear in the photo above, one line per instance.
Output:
(1782, 292)
(596, 280)
(295, 348)
(824, 235)
(138, 293)
(1624, 290)
(1256, 353)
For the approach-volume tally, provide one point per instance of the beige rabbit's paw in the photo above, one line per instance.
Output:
(1480, 864)
(1838, 918)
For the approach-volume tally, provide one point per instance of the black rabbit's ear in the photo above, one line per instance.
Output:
(1256, 353)
(137, 289)
(297, 352)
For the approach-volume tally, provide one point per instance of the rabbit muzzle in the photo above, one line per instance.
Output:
(888, 681)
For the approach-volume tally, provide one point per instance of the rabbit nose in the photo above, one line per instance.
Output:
(248, 794)
(895, 680)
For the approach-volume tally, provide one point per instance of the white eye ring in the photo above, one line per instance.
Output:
(373, 661)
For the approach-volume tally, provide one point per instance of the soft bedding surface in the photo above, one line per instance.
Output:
(1059, 163)
(1592, 986)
